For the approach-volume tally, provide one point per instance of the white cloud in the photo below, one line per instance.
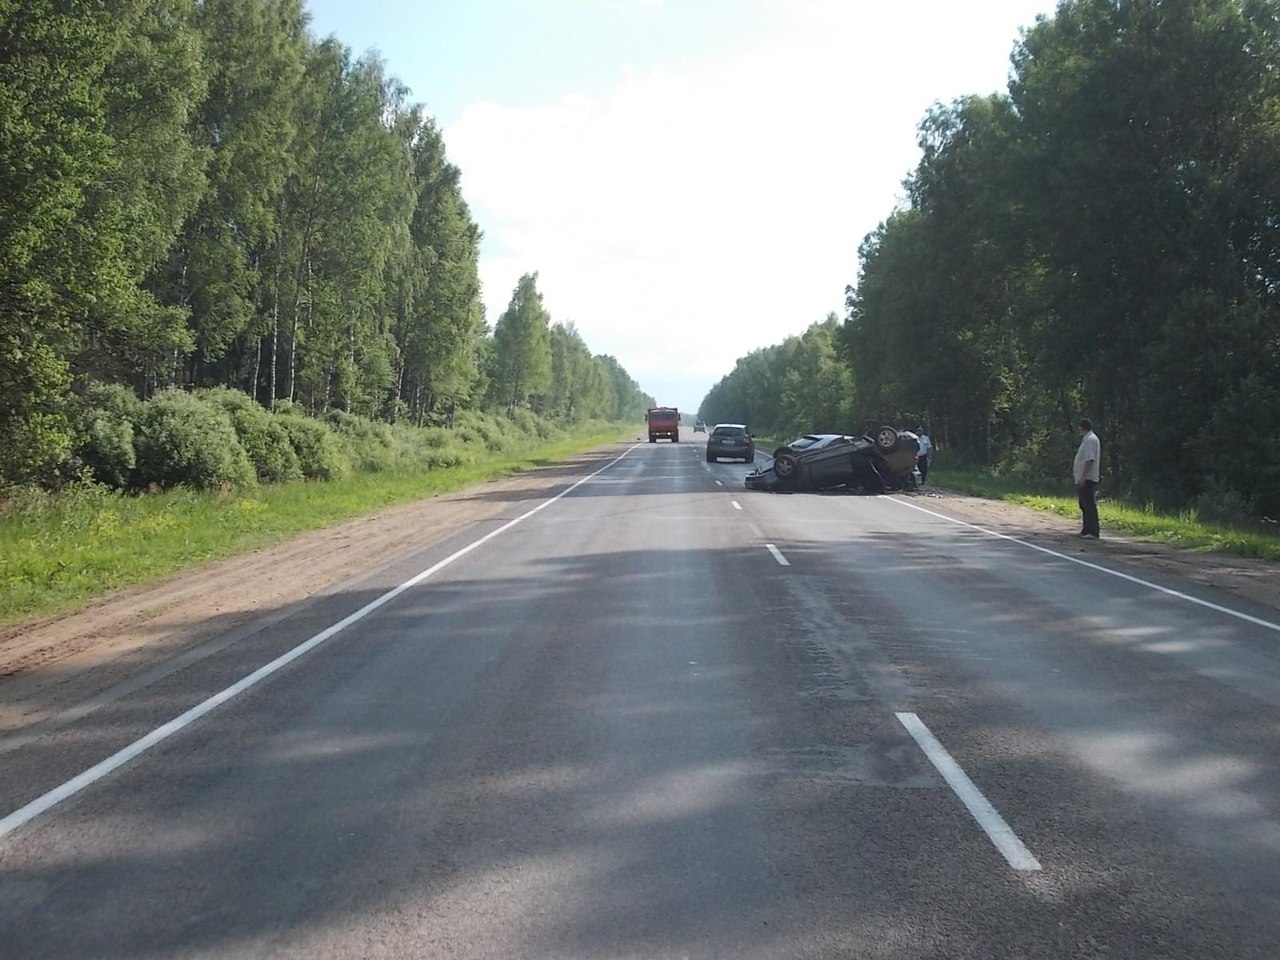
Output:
(683, 219)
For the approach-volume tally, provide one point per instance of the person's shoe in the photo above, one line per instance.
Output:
(1088, 536)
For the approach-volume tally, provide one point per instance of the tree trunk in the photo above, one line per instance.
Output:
(255, 388)
(275, 328)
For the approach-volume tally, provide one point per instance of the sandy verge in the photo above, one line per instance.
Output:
(49, 664)
(1254, 581)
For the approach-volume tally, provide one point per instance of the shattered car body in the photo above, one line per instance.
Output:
(885, 460)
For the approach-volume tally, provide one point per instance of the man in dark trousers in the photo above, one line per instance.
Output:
(1087, 472)
(926, 454)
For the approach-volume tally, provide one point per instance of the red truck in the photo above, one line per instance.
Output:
(663, 422)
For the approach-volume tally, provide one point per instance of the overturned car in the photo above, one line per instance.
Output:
(874, 462)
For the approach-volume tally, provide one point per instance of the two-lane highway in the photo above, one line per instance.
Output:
(660, 716)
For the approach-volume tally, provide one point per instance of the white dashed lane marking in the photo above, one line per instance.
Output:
(777, 555)
(1001, 834)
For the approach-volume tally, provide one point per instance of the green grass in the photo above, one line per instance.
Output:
(57, 552)
(1142, 521)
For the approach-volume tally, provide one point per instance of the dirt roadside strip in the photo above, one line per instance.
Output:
(49, 665)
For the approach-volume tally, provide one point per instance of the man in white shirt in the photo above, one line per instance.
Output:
(926, 451)
(1087, 473)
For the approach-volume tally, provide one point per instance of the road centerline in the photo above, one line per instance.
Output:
(777, 555)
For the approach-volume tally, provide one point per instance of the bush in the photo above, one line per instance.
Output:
(368, 444)
(527, 423)
(181, 439)
(495, 442)
(269, 447)
(264, 440)
(1043, 459)
(104, 418)
(111, 400)
(435, 436)
(496, 433)
(36, 436)
(351, 425)
(1250, 409)
(315, 446)
(444, 459)
(1219, 502)
(107, 449)
(505, 433)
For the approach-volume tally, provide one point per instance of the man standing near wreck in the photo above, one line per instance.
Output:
(1087, 473)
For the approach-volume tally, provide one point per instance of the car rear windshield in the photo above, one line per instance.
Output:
(728, 432)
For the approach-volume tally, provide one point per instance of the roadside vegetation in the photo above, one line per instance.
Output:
(240, 297)
(1188, 528)
(204, 199)
(58, 549)
(1099, 240)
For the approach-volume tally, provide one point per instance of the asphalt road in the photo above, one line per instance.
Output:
(665, 717)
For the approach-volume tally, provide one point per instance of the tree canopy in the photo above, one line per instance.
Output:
(204, 195)
(1102, 240)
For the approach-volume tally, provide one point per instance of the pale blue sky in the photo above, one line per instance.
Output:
(456, 52)
(691, 179)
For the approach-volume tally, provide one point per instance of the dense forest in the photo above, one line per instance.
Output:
(1103, 240)
(200, 194)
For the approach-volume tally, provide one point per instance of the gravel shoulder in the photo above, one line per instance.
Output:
(62, 661)
(1253, 581)
(67, 659)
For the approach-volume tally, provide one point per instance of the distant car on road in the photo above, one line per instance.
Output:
(700, 426)
(874, 462)
(731, 440)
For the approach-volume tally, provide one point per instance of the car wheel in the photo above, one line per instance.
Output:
(886, 439)
(750, 457)
(786, 469)
(710, 458)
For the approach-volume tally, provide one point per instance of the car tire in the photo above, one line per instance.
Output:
(886, 439)
(710, 458)
(750, 457)
(787, 469)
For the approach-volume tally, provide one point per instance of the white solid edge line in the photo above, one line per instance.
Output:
(1257, 621)
(777, 555)
(44, 802)
(1001, 834)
